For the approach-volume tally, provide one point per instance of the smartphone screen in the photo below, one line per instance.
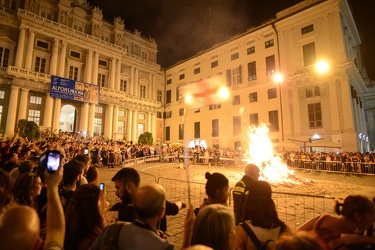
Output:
(86, 151)
(102, 185)
(53, 161)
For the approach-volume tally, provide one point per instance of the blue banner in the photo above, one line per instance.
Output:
(74, 90)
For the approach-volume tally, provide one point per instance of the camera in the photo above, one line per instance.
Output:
(50, 160)
(102, 185)
(86, 151)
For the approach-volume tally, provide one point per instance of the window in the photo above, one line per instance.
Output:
(46, 15)
(268, 44)
(234, 56)
(4, 57)
(121, 113)
(42, 44)
(40, 65)
(214, 64)
(169, 97)
(159, 115)
(159, 96)
(234, 76)
(197, 71)
(121, 127)
(169, 81)
(181, 131)
(142, 91)
(101, 80)
(270, 65)
(103, 63)
(98, 126)
(98, 109)
(177, 93)
(310, 92)
(73, 73)
(307, 29)
(181, 112)
(251, 50)
(123, 84)
(141, 116)
(253, 97)
(236, 125)
(197, 130)
(215, 128)
(315, 115)
(141, 128)
(34, 115)
(2, 94)
(273, 118)
(309, 54)
(11, 4)
(182, 76)
(167, 133)
(272, 93)
(254, 120)
(251, 71)
(197, 110)
(78, 26)
(168, 114)
(35, 100)
(75, 54)
(215, 106)
(236, 100)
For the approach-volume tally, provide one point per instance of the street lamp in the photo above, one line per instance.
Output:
(279, 78)
(322, 66)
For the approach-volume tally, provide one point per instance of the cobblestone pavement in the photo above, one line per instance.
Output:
(293, 208)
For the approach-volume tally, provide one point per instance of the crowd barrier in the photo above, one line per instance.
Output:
(293, 208)
(334, 166)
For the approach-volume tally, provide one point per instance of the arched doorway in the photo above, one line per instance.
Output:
(68, 115)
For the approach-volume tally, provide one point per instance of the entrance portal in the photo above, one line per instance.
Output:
(68, 116)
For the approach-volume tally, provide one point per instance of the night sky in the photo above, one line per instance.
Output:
(182, 28)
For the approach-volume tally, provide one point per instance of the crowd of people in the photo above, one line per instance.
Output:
(67, 208)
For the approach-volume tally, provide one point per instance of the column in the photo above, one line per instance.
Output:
(48, 109)
(108, 121)
(135, 126)
(20, 48)
(334, 111)
(149, 128)
(129, 123)
(23, 104)
(29, 52)
(56, 116)
(53, 63)
(296, 113)
(115, 119)
(84, 117)
(153, 116)
(118, 75)
(112, 71)
(155, 89)
(11, 117)
(62, 59)
(88, 67)
(94, 77)
(91, 120)
(151, 87)
(131, 83)
(136, 86)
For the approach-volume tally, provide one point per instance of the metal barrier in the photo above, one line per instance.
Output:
(293, 209)
(334, 166)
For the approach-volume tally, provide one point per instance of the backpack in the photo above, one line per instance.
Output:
(269, 244)
(110, 242)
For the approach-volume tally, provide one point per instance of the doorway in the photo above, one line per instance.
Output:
(68, 119)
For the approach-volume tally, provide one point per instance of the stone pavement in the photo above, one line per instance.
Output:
(295, 203)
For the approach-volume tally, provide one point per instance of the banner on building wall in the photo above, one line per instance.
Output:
(74, 90)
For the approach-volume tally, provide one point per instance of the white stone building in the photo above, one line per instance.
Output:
(306, 103)
(70, 39)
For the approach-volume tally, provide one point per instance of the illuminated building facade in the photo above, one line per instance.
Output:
(70, 39)
(335, 105)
